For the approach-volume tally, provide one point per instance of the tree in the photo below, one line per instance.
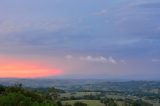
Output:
(2, 89)
(80, 104)
(19, 96)
(108, 102)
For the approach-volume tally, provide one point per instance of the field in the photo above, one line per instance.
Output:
(142, 92)
(88, 102)
(78, 94)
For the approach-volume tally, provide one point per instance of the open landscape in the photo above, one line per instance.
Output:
(65, 92)
(79, 52)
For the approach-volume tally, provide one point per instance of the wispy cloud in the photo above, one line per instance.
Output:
(123, 61)
(149, 5)
(156, 60)
(100, 59)
(68, 57)
(14, 27)
(101, 13)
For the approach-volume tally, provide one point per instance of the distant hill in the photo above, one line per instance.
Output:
(68, 84)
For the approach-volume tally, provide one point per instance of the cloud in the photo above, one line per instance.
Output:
(68, 57)
(158, 29)
(100, 59)
(150, 5)
(9, 27)
(101, 13)
(156, 60)
(15, 27)
(123, 61)
(111, 60)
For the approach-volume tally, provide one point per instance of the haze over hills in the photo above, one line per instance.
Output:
(42, 82)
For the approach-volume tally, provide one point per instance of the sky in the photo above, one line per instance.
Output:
(111, 39)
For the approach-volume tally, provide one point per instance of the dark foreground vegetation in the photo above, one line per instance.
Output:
(19, 96)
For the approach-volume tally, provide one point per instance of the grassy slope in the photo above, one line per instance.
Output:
(88, 102)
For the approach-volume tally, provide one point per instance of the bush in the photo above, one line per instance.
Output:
(80, 104)
(18, 96)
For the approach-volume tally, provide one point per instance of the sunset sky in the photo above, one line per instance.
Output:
(112, 39)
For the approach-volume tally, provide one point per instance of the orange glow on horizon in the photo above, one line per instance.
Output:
(17, 68)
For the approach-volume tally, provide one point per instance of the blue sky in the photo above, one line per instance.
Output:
(117, 39)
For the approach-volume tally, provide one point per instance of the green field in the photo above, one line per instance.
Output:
(122, 97)
(88, 102)
(78, 94)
